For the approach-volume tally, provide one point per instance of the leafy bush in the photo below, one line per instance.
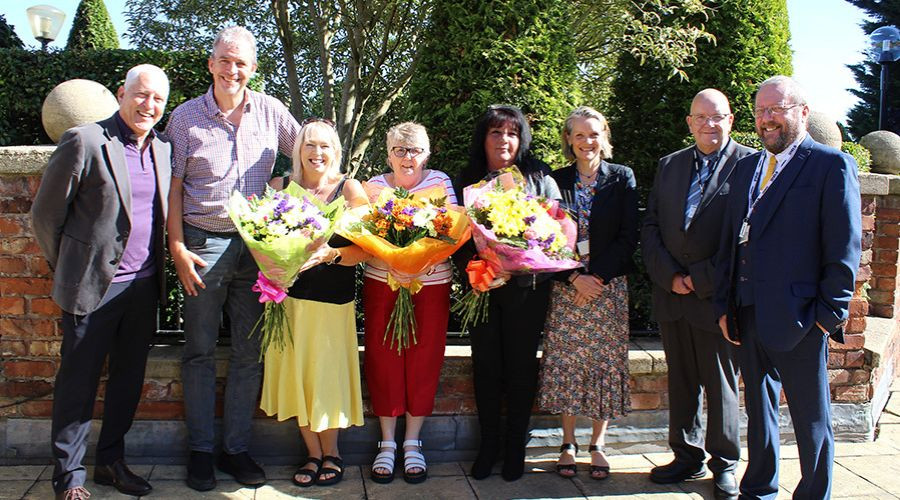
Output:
(859, 153)
(92, 28)
(8, 37)
(26, 77)
(749, 139)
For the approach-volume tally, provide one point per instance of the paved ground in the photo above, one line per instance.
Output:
(861, 471)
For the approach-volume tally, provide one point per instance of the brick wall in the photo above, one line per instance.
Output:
(30, 336)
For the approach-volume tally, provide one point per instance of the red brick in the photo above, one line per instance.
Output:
(867, 239)
(39, 267)
(25, 286)
(26, 389)
(12, 305)
(886, 257)
(851, 394)
(12, 264)
(881, 310)
(855, 325)
(651, 384)
(19, 246)
(854, 359)
(859, 307)
(886, 242)
(154, 391)
(27, 328)
(644, 401)
(37, 408)
(864, 273)
(868, 205)
(13, 226)
(456, 386)
(13, 348)
(28, 369)
(446, 406)
(886, 284)
(160, 410)
(15, 205)
(44, 307)
(879, 268)
(879, 296)
(838, 377)
(888, 229)
(858, 377)
(34, 181)
(44, 348)
(13, 186)
(868, 222)
(854, 341)
(835, 360)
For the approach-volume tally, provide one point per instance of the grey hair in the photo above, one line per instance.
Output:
(409, 133)
(235, 35)
(586, 112)
(792, 90)
(135, 73)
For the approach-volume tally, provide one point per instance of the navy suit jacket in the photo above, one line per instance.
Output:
(804, 244)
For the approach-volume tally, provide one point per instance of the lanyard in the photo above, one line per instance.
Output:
(698, 169)
(757, 178)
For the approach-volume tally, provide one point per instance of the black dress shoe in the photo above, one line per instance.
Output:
(725, 485)
(121, 478)
(243, 468)
(200, 473)
(676, 471)
(484, 462)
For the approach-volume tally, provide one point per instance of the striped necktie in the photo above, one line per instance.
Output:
(698, 179)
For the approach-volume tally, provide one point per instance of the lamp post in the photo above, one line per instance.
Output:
(45, 21)
(885, 49)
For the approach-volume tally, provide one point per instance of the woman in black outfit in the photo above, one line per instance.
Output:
(504, 348)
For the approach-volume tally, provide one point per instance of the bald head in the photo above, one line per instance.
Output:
(710, 120)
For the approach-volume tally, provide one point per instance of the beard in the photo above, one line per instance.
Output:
(788, 132)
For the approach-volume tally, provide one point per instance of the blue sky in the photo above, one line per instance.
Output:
(825, 36)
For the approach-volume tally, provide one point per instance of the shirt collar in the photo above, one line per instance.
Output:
(128, 135)
(715, 154)
(788, 153)
(213, 108)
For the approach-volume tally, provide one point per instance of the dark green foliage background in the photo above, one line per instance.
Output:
(8, 37)
(27, 77)
(478, 53)
(92, 28)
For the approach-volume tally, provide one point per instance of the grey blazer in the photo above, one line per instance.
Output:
(81, 214)
(668, 249)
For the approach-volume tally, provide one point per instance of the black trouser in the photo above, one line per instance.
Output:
(122, 326)
(504, 356)
(702, 361)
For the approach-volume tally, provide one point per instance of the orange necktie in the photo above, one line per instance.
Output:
(770, 169)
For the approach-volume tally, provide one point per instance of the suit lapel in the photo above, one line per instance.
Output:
(719, 178)
(114, 152)
(773, 196)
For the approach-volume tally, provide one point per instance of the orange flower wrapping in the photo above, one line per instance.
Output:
(481, 274)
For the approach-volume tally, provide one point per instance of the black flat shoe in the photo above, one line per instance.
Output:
(675, 472)
(338, 472)
(200, 473)
(484, 462)
(313, 475)
(119, 476)
(725, 485)
(567, 470)
(244, 469)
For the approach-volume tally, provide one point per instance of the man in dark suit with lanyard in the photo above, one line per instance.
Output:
(785, 276)
(679, 240)
(99, 217)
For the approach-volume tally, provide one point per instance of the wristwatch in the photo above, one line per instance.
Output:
(337, 258)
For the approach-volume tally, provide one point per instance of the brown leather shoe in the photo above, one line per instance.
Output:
(76, 493)
(121, 478)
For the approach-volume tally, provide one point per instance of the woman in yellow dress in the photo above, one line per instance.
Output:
(316, 378)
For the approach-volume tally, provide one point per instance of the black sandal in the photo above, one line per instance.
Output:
(573, 468)
(338, 473)
(598, 469)
(312, 474)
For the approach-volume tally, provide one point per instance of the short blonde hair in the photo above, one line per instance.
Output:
(586, 112)
(334, 168)
(408, 133)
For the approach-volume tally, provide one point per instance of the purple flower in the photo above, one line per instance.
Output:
(311, 221)
(530, 219)
(409, 210)
(387, 208)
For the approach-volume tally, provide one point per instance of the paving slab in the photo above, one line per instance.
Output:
(440, 487)
(881, 471)
(278, 489)
(42, 490)
(21, 472)
(15, 489)
(629, 482)
(142, 470)
(528, 486)
(178, 490)
(844, 482)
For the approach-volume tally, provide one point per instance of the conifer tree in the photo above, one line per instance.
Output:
(92, 28)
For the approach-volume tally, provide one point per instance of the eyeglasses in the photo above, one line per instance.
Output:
(714, 119)
(778, 110)
(401, 152)
(314, 119)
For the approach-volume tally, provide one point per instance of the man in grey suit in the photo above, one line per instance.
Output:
(99, 217)
(679, 239)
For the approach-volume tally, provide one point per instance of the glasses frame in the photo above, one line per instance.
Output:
(715, 119)
(778, 110)
(404, 152)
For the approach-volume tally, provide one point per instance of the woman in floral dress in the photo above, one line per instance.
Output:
(585, 360)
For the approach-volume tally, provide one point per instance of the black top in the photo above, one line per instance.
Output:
(334, 284)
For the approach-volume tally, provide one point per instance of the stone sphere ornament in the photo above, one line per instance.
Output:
(76, 102)
(884, 146)
(824, 130)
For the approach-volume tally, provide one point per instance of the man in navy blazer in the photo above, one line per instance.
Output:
(99, 217)
(785, 275)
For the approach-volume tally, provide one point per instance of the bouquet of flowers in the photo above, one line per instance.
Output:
(410, 233)
(282, 229)
(514, 232)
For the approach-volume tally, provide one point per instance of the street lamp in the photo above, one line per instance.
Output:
(45, 21)
(885, 49)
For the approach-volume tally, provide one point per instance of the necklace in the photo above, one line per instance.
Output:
(588, 178)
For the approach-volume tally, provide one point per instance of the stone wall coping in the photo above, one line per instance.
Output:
(24, 160)
(879, 332)
(871, 183)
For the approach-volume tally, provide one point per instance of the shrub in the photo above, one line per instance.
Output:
(92, 28)
(749, 139)
(8, 37)
(859, 153)
(26, 77)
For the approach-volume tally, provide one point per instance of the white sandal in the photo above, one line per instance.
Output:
(384, 460)
(413, 460)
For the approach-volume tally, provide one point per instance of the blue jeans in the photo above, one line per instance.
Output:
(229, 274)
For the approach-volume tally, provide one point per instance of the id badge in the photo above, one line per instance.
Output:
(744, 234)
(583, 247)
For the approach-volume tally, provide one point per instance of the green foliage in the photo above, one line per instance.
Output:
(8, 37)
(482, 53)
(27, 77)
(92, 28)
(749, 139)
(859, 153)
(863, 117)
(649, 108)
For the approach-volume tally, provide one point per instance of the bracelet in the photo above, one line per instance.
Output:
(574, 276)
